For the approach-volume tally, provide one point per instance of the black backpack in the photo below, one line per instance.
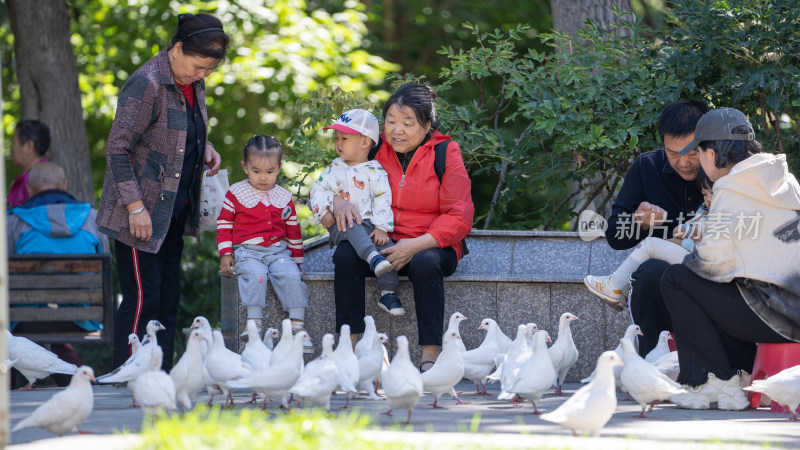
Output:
(439, 166)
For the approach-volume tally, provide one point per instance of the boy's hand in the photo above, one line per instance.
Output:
(327, 220)
(379, 237)
(226, 264)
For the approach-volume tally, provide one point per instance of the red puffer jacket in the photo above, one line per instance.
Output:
(420, 205)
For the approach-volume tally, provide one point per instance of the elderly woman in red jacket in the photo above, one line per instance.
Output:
(430, 218)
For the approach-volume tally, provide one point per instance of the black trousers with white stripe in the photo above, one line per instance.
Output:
(151, 289)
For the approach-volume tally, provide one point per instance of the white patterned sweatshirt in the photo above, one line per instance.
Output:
(365, 185)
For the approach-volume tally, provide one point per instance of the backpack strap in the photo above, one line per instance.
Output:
(374, 150)
(440, 159)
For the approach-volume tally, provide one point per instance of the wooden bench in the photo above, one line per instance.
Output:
(73, 287)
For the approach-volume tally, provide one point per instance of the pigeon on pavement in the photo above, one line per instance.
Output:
(320, 377)
(370, 365)
(347, 363)
(224, 365)
(782, 388)
(589, 409)
(67, 409)
(402, 382)
(446, 372)
(187, 375)
(661, 349)
(154, 389)
(479, 362)
(643, 381)
(34, 361)
(563, 352)
(279, 377)
(537, 375)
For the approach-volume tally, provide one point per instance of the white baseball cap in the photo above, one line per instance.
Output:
(357, 121)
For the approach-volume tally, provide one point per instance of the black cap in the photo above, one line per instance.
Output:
(718, 125)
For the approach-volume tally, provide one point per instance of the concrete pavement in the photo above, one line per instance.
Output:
(497, 424)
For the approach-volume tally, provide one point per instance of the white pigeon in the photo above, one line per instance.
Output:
(320, 377)
(537, 375)
(224, 365)
(500, 357)
(643, 381)
(201, 324)
(34, 361)
(563, 352)
(255, 353)
(479, 362)
(453, 325)
(517, 356)
(154, 389)
(367, 338)
(284, 346)
(134, 342)
(347, 363)
(661, 348)
(370, 365)
(402, 382)
(278, 378)
(139, 362)
(589, 409)
(446, 372)
(187, 375)
(782, 388)
(503, 341)
(65, 410)
(669, 365)
(269, 338)
(630, 333)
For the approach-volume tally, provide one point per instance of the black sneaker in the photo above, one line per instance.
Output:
(379, 265)
(391, 303)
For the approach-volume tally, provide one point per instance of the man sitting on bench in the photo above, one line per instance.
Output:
(53, 221)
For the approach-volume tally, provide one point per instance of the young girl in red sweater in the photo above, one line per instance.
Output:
(258, 235)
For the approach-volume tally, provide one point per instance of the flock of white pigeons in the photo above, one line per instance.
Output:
(525, 367)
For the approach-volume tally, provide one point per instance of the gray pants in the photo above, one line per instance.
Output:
(359, 239)
(255, 264)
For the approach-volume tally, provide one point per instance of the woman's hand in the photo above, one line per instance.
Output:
(401, 252)
(213, 161)
(140, 225)
(345, 213)
(226, 264)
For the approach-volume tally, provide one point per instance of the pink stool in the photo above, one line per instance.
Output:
(771, 359)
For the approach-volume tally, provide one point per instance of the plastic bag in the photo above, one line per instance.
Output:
(212, 194)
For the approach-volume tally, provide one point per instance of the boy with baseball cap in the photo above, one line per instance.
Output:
(365, 184)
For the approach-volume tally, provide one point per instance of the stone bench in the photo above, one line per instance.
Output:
(511, 276)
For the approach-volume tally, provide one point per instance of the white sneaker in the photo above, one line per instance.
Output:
(727, 394)
(602, 287)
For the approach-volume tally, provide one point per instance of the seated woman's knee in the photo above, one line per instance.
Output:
(426, 261)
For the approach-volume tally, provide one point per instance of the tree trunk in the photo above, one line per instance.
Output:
(48, 80)
(569, 17)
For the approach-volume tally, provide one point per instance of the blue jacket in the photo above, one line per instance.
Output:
(53, 221)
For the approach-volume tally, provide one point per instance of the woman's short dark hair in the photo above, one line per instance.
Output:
(730, 152)
(201, 35)
(36, 131)
(679, 118)
(420, 99)
(263, 146)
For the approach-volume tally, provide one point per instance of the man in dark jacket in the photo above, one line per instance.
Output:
(660, 191)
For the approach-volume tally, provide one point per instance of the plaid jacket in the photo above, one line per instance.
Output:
(144, 153)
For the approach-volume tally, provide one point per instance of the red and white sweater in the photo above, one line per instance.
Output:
(254, 217)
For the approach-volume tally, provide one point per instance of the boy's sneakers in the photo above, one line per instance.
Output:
(727, 394)
(390, 303)
(379, 265)
(601, 287)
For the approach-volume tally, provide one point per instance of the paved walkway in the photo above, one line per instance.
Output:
(498, 424)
